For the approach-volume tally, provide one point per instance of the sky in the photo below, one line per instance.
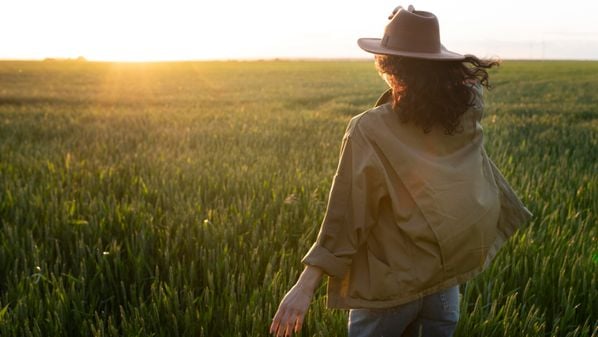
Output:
(155, 30)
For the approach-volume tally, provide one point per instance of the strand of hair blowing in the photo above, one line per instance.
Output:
(433, 93)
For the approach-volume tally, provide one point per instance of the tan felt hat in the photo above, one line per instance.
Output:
(410, 33)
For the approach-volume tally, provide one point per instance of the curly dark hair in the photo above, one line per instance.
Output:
(433, 93)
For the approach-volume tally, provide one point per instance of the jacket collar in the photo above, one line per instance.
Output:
(384, 98)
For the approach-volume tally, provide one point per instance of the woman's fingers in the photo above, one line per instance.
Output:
(276, 320)
(281, 326)
(287, 326)
(280, 321)
(290, 313)
(286, 323)
(291, 323)
(298, 323)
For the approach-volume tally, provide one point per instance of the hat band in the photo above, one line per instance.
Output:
(404, 41)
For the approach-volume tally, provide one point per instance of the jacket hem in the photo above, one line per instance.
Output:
(339, 302)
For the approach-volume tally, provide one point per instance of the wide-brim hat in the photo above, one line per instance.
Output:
(410, 33)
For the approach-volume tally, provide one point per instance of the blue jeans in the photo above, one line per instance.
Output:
(435, 315)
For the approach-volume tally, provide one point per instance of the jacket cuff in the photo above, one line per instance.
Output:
(322, 258)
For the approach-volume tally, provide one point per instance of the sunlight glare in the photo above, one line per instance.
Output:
(151, 30)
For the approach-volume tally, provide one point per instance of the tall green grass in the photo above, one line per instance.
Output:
(176, 199)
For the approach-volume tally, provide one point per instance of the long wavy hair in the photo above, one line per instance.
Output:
(433, 93)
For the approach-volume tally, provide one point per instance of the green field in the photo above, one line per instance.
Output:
(176, 199)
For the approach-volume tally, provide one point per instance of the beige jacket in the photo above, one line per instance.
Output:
(410, 213)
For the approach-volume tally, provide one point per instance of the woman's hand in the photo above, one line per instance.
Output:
(291, 311)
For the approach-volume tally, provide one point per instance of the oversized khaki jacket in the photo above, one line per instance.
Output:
(411, 213)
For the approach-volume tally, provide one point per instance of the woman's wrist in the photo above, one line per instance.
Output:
(310, 279)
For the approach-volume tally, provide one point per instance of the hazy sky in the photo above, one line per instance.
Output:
(237, 29)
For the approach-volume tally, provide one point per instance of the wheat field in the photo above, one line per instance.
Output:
(177, 199)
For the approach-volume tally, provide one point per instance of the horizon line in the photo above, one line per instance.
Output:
(83, 59)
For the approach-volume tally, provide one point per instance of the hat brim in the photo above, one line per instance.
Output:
(374, 46)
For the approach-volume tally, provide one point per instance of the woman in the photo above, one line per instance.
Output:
(416, 206)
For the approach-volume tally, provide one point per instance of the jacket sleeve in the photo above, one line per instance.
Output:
(352, 208)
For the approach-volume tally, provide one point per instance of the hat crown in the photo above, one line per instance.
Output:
(412, 31)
